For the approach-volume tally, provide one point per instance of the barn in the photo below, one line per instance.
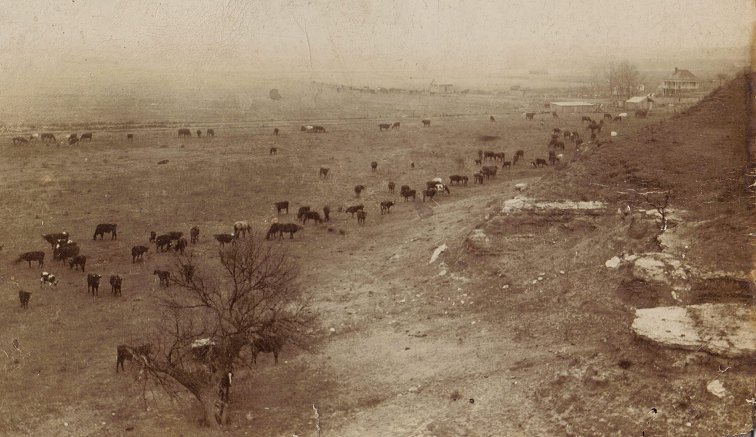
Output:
(572, 107)
(640, 102)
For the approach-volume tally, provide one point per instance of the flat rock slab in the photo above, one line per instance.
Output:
(720, 329)
(520, 203)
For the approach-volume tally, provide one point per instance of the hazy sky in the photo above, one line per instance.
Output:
(406, 35)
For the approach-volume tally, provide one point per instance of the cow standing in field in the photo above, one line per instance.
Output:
(426, 123)
(223, 239)
(48, 279)
(103, 228)
(493, 120)
(115, 285)
(78, 261)
(129, 137)
(374, 165)
(273, 151)
(93, 283)
(311, 215)
(354, 208)
(137, 252)
(199, 133)
(391, 186)
(281, 206)
(33, 256)
(358, 189)
(24, 297)
(384, 126)
(361, 215)
(302, 211)
(163, 243)
(289, 228)
(275, 131)
(182, 133)
(164, 276)
(396, 125)
(54, 238)
(194, 233)
(326, 213)
(123, 353)
(47, 137)
(386, 207)
(323, 174)
(211, 133)
(63, 251)
(266, 344)
(529, 115)
(241, 228)
(86, 136)
(180, 245)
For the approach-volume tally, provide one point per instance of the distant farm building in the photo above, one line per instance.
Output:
(680, 82)
(641, 102)
(568, 107)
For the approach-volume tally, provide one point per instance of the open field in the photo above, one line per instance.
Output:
(520, 332)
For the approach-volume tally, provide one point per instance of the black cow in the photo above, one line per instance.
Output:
(184, 133)
(272, 231)
(163, 243)
(326, 213)
(273, 151)
(507, 164)
(301, 212)
(311, 215)
(46, 137)
(358, 189)
(129, 137)
(194, 234)
(426, 123)
(408, 193)
(478, 178)
(458, 179)
(280, 206)
(78, 261)
(32, 256)
(539, 163)
(489, 170)
(275, 131)
(429, 193)
(63, 251)
(529, 115)
(115, 285)
(86, 136)
(493, 120)
(318, 129)
(323, 173)
(386, 206)
(54, 238)
(93, 283)
(164, 276)
(199, 133)
(175, 235)
(374, 165)
(102, 228)
(266, 344)
(391, 187)
(361, 215)
(153, 236)
(289, 228)
(224, 238)
(211, 133)
(180, 245)
(137, 252)
(354, 208)
(24, 297)
(384, 126)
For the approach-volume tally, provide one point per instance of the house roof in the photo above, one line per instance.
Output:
(684, 75)
(571, 104)
(637, 99)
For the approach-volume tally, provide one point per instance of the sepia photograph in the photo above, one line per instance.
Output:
(421, 218)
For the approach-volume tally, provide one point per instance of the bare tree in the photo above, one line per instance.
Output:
(624, 78)
(207, 321)
(659, 200)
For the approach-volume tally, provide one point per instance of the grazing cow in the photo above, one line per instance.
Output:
(404, 188)
(289, 228)
(353, 209)
(301, 212)
(384, 126)
(479, 178)
(86, 137)
(493, 120)
(506, 164)
(211, 132)
(500, 156)
(153, 235)
(391, 186)
(326, 213)
(93, 283)
(24, 297)
(458, 179)
(175, 235)
(184, 133)
(164, 276)
(65, 251)
(194, 234)
(32, 256)
(489, 155)
(311, 215)
(396, 125)
(361, 215)
(539, 163)
(72, 141)
(48, 279)
(73, 137)
(386, 206)
(618, 118)
(273, 151)
(275, 131)
(266, 344)
(607, 115)
(358, 189)
(199, 133)
(374, 165)
(47, 137)
(529, 115)
(115, 285)
(78, 261)
(318, 129)
(129, 137)
(181, 245)
(323, 172)
(137, 252)
(426, 123)
(408, 193)
(280, 206)
(102, 228)
(241, 228)
(123, 354)
(20, 140)
(554, 114)
(55, 237)
(272, 231)
(224, 238)
(163, 243)
(429, 193)
(489, 170)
